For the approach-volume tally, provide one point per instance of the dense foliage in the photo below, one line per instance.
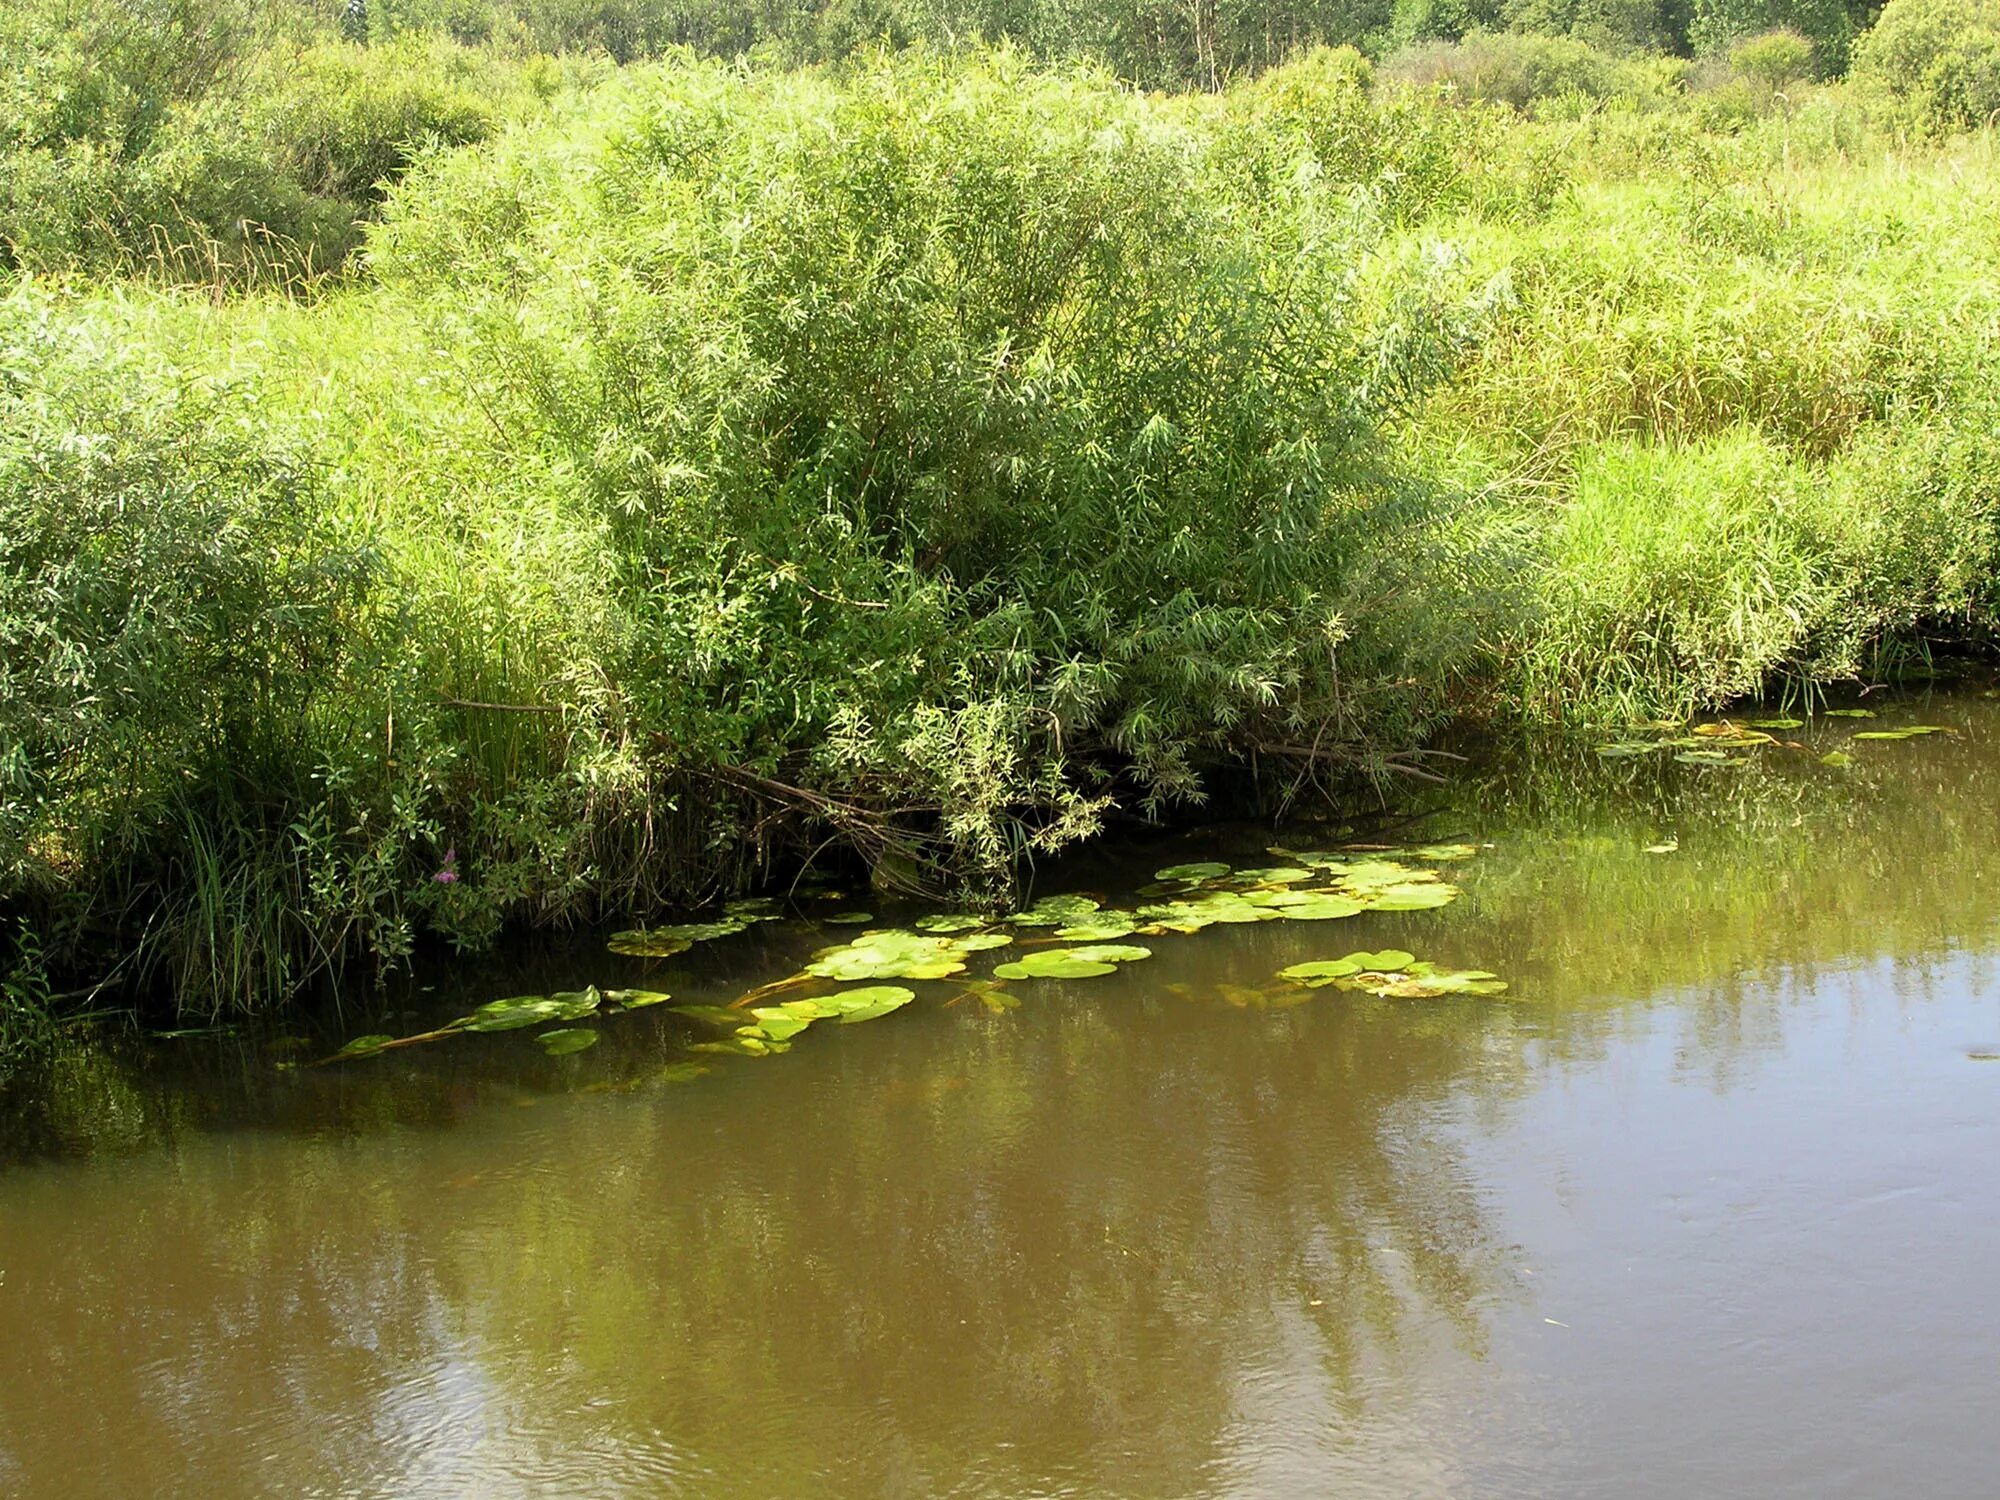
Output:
(443, 484)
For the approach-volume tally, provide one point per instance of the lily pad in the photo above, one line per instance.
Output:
(1275, 875)
(849, 918)
(1622, 749)
(1056, 911)
(1112, 953)
(518, 1011)
(866, 1004)
(1053, 963)
(892, 954)
(1363, 876)
(744, 1044)
(1426, 981)
(1706, 758)
(1411, 898)
(1100, 928)
(637, 999)
(665, 942)
(1908, 733)
(1836, 758)
(777, 1023)
(1777, 723)
(1850, 713)
(950, 922)
(1202, 870)
(1325, 971)
(365, 1046)
(641, 944)
(1328, 906)
(1202, 911)
(567, 1040)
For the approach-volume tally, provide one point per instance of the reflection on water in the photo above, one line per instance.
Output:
(1705, 1205)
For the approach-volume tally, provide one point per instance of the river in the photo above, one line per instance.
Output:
(1706, 1203)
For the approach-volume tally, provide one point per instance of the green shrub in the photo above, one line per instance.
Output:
(1934, 64)
(1719, 25)
(966, 440)
(1773, 59)
(343, 121)
(1518, 70)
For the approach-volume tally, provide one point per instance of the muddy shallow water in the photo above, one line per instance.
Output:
(1708, 1203)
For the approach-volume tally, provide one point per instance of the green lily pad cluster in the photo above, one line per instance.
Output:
(1310, 886)
(518, 1013)
(665, 942)
(1711, 744)
(888, 953)
(778, 1024)
(1395, 975)
(1909, 732)
(1072, 963)
(1318, 886)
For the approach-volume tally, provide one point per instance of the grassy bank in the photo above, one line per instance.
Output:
(697, 469)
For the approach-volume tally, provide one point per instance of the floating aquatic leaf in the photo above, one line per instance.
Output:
(665, 942)
(744, 1044)
(895, 954)
(1055, 911)
(950, 922)
(636, 999)
(1850, 713)
(680, 1072)
(1410, 898)
(1375, 874)
(1203, 911)
(1072, 963)
(639, 944)
(867, 1004)
(1204, 870)
(566, 1040)
(1112, 953)
(849, 918)
(1325, 971)
(365, 1046)
(1283, 896)
(1052, 963)
(1706, 758)
(1275, 875)
(1908, 733)
(1328, 906)
(518, 1011)
(776, 1023)
(752, 909)
(1734, 734)
(1320, 972)
(1100, 928)
(1669, 847)
(1425, 981)
(1619, 749)
(1777, 723)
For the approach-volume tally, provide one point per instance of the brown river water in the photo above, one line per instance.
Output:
(1706, 1205)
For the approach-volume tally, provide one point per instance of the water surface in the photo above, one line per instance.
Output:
(1707, 1204)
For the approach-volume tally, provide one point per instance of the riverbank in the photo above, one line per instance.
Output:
(917, 462)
